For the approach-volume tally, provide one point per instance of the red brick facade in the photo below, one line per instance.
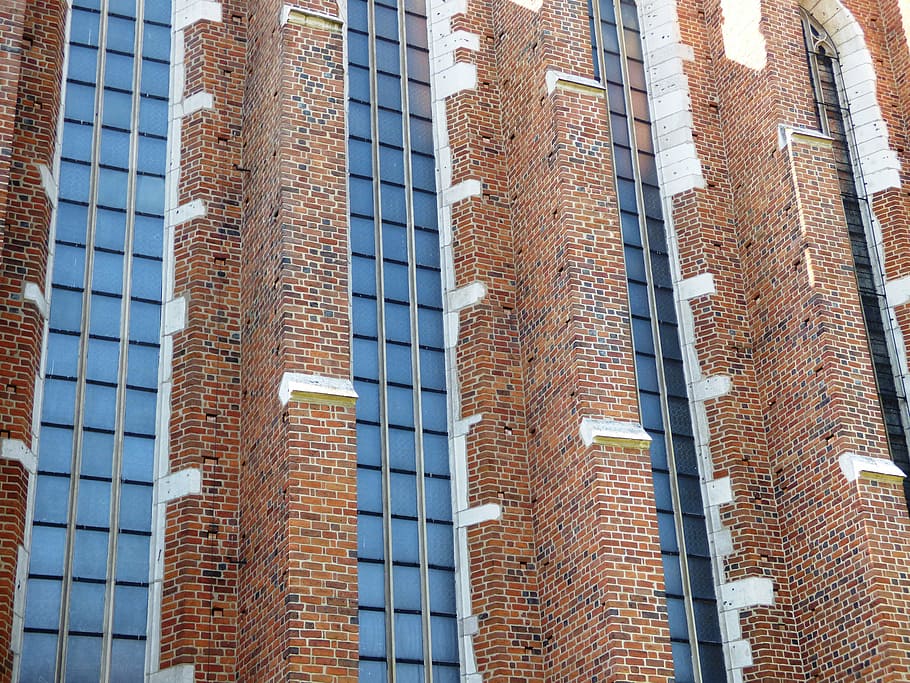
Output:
(260, 567)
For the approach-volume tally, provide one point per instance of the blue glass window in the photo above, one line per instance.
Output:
(89, 563)
(408, 624)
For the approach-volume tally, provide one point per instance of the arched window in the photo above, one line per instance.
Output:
(663, 398)
(834, 120)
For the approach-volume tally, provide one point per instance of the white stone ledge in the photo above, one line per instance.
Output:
(33, 293)
(747, 593)
(187, 212)
(300, 16)
(316, 388)
(478, 515)
(15, 450)
(855, 466)
(614, 432)
(787, 133)
(455, 40)
(463, 426)
(559, 79)
(178, 484)
(196, 102)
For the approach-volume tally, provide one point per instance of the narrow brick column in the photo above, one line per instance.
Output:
(31, 60)
(298, 586)
(486, 388)
(198, 632)
(599, 563)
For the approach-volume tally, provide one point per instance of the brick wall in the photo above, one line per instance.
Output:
(298, 498)
(201, 550)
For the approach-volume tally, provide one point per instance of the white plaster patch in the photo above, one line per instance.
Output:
(298, 385)
(897, 292)
(854, 466)
(188, 12)
(182, 673)
(179, 484)
(696, 286)
(601, 432)
(49, 184)
(747, 593)
(743, 39)
(711, 387)
(15, 450)
(33, 293)
(478, 515)
(175, 315)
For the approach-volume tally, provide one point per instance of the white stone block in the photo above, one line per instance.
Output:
(34, 294)
(319, 387)
(463, 190)
(747, 593)
(478, 515)
(187, 14)
(613, 432)
(740, 654)
(182, 673)
(175, 315)
(897, 292)
(719, 491)
(178, 484)
(711, 387)
(696, 286)
(15, 450)
(466, 296)
(854, 466)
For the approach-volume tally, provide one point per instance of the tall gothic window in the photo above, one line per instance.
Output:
(692, 608)
(406, 569)
(88, 576)
(834, 120)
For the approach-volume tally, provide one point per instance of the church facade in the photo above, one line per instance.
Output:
(454, 341)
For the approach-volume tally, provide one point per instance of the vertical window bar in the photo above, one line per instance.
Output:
(117, 463)
(79, 408)
(382, 352)
(415, 348)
